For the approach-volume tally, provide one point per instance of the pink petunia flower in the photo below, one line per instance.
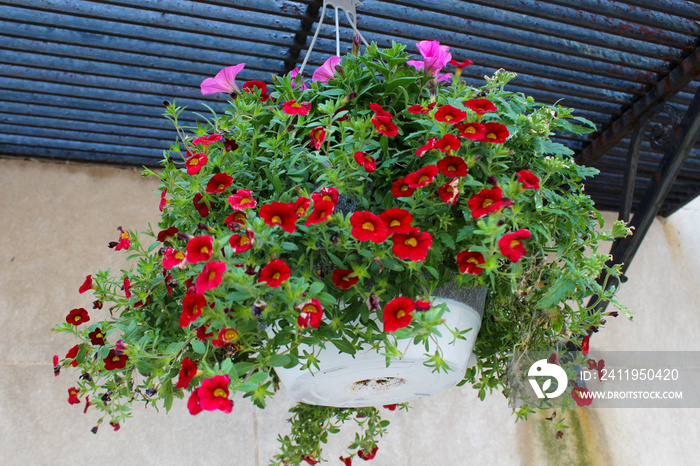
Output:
(224, 81)
(326, 71)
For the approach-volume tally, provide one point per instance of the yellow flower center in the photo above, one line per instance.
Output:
(180, 256)
(231, 334)
(244, 200)
(212, 275)
(222, 186)
(491, 136)
(309, 308)
(514, 243)
(368, 226)
(115, 358)
(487, 202)
(404, 188)
(448, 117)
(470, 130)
(204, 250)
(412, 242)
(276, 219)
(98, 335)
(327, 198)
(220, 392)
(400, 314)
(276, 276)
(472, 260)
(395, 223)
(451, 168)
(244, 240)
(77, 318)
(423, 178)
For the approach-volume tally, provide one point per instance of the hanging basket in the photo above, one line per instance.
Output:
(365, 379)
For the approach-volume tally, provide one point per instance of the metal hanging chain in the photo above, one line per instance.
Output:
(348, 6)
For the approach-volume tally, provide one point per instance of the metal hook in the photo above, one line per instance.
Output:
(348, 6)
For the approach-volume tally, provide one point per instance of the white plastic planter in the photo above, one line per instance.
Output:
(365, 379)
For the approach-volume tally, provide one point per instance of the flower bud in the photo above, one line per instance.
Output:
(166, 103)
(356, 45)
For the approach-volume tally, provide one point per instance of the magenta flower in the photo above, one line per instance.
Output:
(224, 81)
(302, 85)
(326, 71)
(435, 57)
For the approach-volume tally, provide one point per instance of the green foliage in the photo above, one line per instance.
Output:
(533, 304)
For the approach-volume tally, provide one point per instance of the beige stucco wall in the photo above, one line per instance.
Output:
(55, 222)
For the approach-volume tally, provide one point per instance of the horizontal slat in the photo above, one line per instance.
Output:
(84, 156)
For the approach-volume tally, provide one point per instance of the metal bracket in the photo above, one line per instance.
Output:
(348, 6)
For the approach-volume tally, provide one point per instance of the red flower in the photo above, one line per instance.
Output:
(172, 258)
(450, 114)
(188, 369)
(449, 192)
(585, 345)
(448, 142)
(206, 140)
(379, 111)
(391, 407)
(115, 425)
(280, 214)
(317, 135)
(422, 177)
(237, 217)
(211, 276)
(346, 461)
(226, 337)
(310, 460)
(582, 396)
(213, 394)
(396, 220)
(124, 240)
(193, 403)
(77, 316)
(115, 360)
(73, 396)
(292, 107)
(230, 144)
(470, 262)
(165, 235)
(401, 189)
(367, 227)
(528, 179)
(452, 166)
(127, 287)
(342, 279)
(366, 161)
(322, 210)
(512, 246)
(219, 182)
(327, 194)
(72, 353)
(192, 305)
(242, 243)
(423, 304)
(474, 131)
(486, 201)
(398, 313)
(200, 205)
(199, 249)
(421, 109)
(480, 106)
(243, 199)
(250, 86)
(430, 145)
(163, 200)
(413, 245)
(301, 205)
(195, 163)
(311, 313)
(56, 366)
(385, 126)
(202, 334)
(368, 456)
(97, 337)
(461, 65)
(496, 133)
(87, 284)
(274, 273)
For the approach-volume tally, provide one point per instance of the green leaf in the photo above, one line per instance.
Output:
(166, 392)
(199, 347)
(278, 360)
(258, 378)
(315, 288)
(392, 264)
(557, 293)
(344, 346)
